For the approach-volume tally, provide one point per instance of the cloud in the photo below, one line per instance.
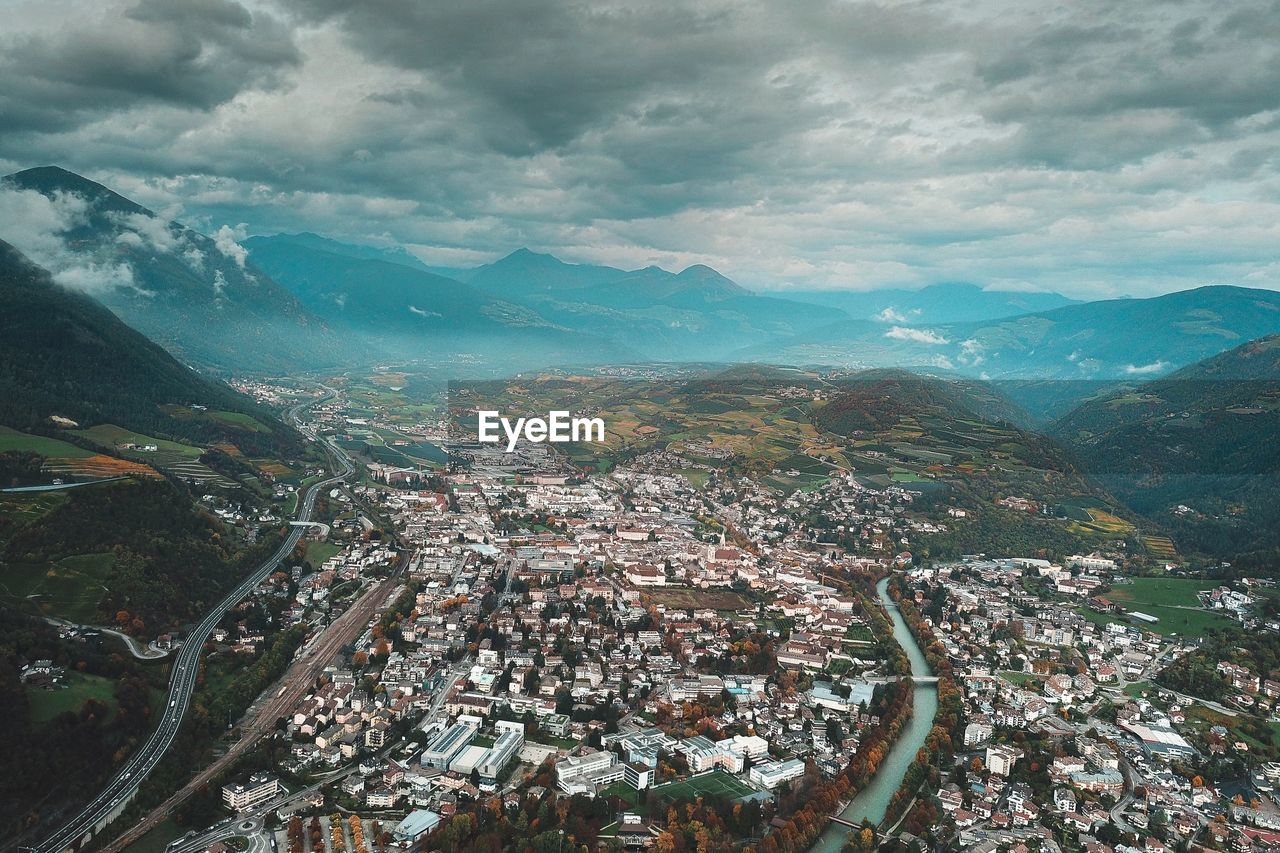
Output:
(225, 239)
(972, 352)
(422, 312)
(37, 225)
(1097, 150)
(150, 231)
(102, 58)
(195, 259)
(919, 336)
(1146, 369)
(98, 279)
(890, 315)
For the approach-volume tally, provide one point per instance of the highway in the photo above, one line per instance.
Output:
(186, 669)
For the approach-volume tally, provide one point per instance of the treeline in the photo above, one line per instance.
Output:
(798, 831)
(62, 353)
(996, 530)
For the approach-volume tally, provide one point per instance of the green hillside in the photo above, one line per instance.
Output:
(1198, 449)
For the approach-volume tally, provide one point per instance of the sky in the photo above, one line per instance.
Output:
(1092, 148)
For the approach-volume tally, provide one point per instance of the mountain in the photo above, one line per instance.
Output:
(1111, 339)
(65, 354)
(407, 312)
(391, 254)
(1196, 449)
(694, 315)
(197, 296)
(951, 302)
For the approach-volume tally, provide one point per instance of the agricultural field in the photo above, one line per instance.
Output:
(239, 420)
(1160, 591)
(318, 552)
(63, 459)
(714, 784)
(79, 686)
(182, 460)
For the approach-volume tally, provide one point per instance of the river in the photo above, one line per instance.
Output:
(872, 802)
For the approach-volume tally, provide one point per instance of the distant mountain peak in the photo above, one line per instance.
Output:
(52, 179)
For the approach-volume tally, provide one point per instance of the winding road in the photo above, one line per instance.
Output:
(186, 667)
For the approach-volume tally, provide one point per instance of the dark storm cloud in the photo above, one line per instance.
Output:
(1093, 147)
(184, 53)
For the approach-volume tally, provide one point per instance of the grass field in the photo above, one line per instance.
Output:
(318, 552)
(47, 704)
(173, 456)
(1173, 620)
(70, 588)
(110, 435)
(12, 440)
(1022, 679)
(1173, 592)
(1171, 600)
(714, 784)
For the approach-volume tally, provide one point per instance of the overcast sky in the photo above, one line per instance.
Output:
(1095, 148)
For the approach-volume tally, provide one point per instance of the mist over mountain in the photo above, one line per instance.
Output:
(273, 303)
(1111, 339)
(196, 295)
(403, 311)
(66, 355)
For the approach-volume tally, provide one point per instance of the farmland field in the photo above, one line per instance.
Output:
(1171, 592)
(12, 440)
(1171, 600)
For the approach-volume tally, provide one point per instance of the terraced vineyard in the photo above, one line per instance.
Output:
(181, 460)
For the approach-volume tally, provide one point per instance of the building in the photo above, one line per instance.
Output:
(1102, 782)
(504, 749)
(637, 775)
(243, 796)
(585, 774)
(1160, 740)
(771, 774)
(976, 733)
(441, 752)
(415, 826)
(1000, 759)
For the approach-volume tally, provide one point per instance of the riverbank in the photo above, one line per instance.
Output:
(872, 802)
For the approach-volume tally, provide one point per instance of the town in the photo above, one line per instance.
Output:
(631, 660)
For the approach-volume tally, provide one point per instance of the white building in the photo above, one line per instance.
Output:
(242, 796)
(771, 774)
(1000, 759)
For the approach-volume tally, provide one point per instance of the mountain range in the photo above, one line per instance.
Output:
(272, 303)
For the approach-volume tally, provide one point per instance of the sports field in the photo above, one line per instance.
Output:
(717, 783)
